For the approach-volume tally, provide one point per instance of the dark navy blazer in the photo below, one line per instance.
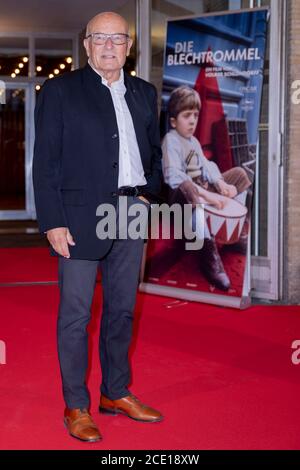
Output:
(76, 153)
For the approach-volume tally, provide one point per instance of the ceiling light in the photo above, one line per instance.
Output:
(37, 87)
(133, 73)
(20, 65)
(25, 59)
(51, 75)
(39, 68)
(62, 66)
(69, 60)
(56, 71)
(17, 70)
(13, 75)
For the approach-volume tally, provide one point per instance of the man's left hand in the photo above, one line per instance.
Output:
(142, 198)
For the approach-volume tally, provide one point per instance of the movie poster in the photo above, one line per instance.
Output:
(211, 97)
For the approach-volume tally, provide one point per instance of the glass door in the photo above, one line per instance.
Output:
(15, 120)
(25, 63)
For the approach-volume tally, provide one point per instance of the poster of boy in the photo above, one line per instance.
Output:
(212, 86)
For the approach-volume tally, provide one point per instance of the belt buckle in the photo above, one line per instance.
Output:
(129, 191)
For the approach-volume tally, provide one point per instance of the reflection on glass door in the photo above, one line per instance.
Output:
(12, 151)
(25, 62)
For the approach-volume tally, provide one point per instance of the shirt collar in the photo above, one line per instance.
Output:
(117, 85)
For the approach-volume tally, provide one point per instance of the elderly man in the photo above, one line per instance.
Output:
(97, 141)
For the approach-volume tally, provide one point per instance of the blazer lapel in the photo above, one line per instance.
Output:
(99, 95)
(136, 108)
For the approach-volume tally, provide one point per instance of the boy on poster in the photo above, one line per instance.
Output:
(195, 180)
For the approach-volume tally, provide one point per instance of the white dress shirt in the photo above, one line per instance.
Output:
(131, 171)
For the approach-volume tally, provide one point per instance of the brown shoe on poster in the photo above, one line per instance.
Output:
(211, 265)
(81, 425)
(130, 406)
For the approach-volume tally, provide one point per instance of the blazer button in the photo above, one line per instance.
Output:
(114, 136)
(113, 194)
(115, 164)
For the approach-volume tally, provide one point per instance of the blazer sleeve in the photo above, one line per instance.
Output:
(47, 158)
(154, 181)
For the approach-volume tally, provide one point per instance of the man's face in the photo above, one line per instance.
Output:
(186, 121)
(108, 57)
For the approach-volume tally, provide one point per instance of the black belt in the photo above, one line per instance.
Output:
(129, 191)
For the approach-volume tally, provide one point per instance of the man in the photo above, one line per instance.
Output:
(97, 141)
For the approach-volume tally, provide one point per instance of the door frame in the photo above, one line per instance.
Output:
(29, 83)
(267, 271)
(27, 212)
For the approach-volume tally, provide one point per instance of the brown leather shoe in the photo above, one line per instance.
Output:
(131, 407)
(80, 425)
(211, 265)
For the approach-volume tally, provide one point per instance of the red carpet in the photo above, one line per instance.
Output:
(222, 378)
(27, 265)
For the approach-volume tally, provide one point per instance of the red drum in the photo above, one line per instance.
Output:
(226, 224)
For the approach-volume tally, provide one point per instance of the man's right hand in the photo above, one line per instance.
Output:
(60, 238)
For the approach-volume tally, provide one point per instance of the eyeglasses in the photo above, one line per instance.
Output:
(101, 38)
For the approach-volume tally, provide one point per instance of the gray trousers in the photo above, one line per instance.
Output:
(120, 275)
